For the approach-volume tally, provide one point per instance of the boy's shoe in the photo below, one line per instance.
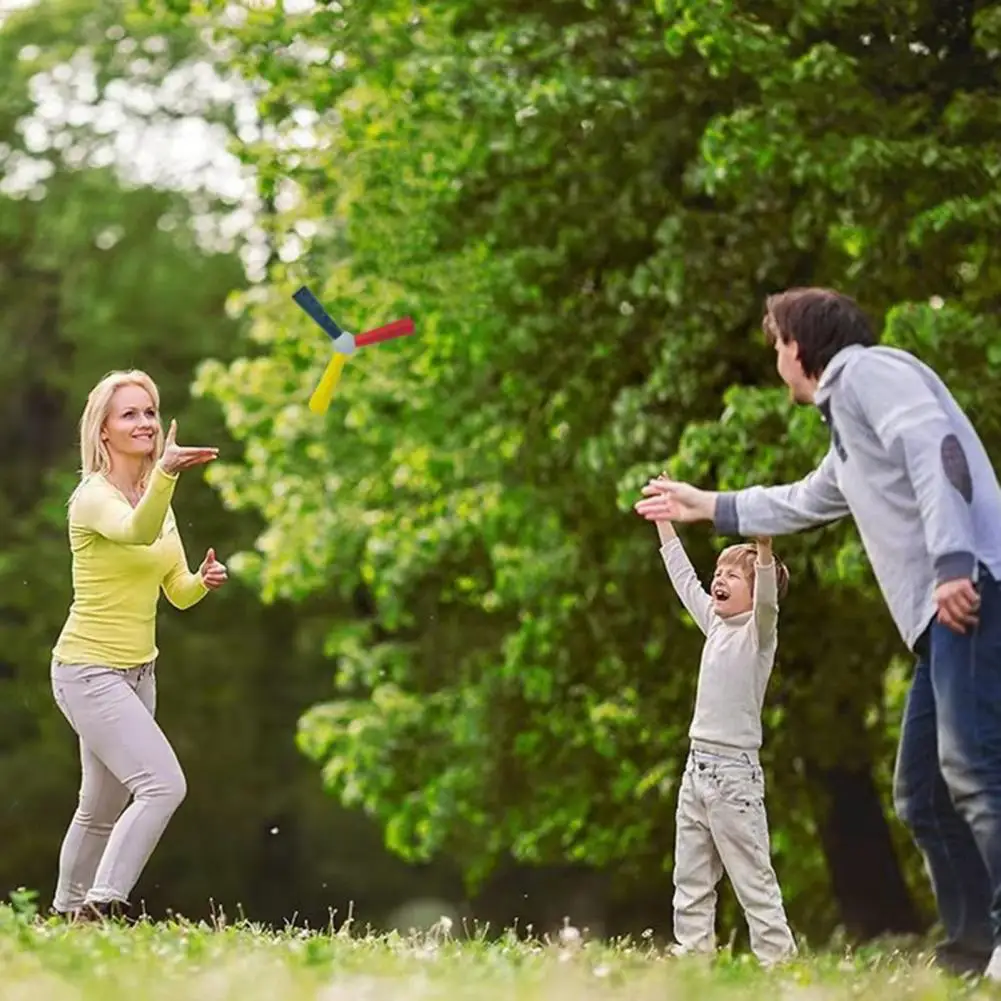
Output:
(678, 951)
(53, 917)
(779, 962)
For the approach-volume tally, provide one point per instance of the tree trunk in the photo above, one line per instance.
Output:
(865, 873)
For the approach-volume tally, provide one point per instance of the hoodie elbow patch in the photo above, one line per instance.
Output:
(957, 468)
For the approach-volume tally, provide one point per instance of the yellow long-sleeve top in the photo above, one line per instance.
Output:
(122, 556)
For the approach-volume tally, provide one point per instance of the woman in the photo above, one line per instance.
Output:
(126, 547)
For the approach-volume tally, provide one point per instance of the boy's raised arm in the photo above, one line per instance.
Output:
(683, 577)
(766, 591)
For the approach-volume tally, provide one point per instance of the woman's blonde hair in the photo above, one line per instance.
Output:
(94, 455)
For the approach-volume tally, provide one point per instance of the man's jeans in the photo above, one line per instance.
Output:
(947, 786)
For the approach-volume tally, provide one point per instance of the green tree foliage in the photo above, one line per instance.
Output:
(584, 205)
(97, 272)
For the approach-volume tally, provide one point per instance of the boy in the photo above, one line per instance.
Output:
(721, 821)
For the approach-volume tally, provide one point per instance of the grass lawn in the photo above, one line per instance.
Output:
(45, 961)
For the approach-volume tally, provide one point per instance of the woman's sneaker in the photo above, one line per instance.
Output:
(101, 911)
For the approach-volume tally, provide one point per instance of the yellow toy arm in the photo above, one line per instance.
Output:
(324, 392)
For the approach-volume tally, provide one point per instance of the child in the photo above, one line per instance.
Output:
(721, 822)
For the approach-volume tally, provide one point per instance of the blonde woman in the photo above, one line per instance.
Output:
(125, 547)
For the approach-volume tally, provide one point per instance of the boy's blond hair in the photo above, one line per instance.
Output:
(744, 555)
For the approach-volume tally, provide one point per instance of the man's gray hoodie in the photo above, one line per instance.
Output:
(907, 464)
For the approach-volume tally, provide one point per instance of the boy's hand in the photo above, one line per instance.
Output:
(764, 545)
(666, 532)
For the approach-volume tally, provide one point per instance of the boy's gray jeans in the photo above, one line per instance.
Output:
(123, 754)
(722, 825)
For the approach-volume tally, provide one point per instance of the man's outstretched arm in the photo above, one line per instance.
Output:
(779, 510)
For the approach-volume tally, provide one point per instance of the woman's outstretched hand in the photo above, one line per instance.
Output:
(177, 457)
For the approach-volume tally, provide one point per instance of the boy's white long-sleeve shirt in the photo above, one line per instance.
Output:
(737, 658)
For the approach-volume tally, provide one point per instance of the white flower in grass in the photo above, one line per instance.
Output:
(569, 935)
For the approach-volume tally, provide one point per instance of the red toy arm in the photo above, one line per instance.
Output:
(398, 328)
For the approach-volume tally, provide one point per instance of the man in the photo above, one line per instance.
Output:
(908, 466)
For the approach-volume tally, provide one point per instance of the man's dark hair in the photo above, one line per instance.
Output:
(820, 320)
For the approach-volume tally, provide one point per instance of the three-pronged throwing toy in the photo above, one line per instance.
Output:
(345, 345)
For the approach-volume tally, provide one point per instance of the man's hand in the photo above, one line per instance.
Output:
(958, 604)
(669, 500)
(214, 573)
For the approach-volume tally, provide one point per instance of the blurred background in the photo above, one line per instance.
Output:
(449, 675)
